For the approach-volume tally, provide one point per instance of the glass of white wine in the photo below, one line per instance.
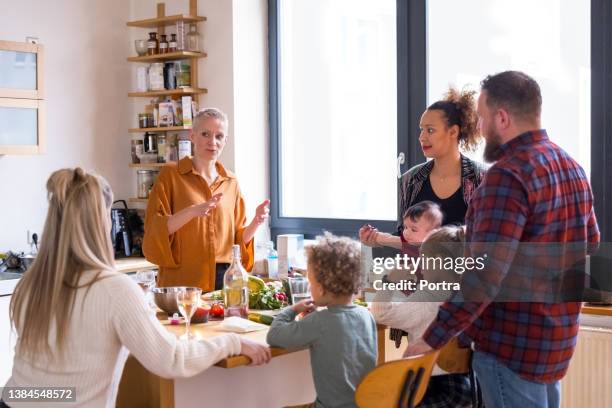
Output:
(146, 280)
(188, 300)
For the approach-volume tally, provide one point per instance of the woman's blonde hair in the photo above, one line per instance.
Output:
(75, 238)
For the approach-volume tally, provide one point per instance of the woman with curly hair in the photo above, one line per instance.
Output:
(448, 127)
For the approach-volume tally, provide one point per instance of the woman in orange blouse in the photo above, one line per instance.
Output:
(196, 213)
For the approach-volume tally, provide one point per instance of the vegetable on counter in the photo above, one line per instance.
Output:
(262, 295)
(261, 318)
(270, 297)
(360, 302)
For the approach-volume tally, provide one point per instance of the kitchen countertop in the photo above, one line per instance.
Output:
(210, 330)
(597, 310)
(127, 265)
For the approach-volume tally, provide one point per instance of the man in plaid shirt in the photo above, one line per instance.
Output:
(534, 194)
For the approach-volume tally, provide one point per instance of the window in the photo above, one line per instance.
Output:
(349, 80)
(337, 111)
(551, 42)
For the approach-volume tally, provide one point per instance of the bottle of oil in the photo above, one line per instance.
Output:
(235, 287)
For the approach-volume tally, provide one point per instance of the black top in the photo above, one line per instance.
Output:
(453, 207)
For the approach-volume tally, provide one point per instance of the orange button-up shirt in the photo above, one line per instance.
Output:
(188, 257)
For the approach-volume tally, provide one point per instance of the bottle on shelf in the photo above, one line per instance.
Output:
(173, 44)
(180, 35)
(152, 44)
(184, 147)
(193, 38)
(235, 287)
(163, 44)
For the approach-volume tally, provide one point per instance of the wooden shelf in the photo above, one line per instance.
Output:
(170, 92)
(168, 56)
(148, 165)
(160, 129)
(138, 200)
(165, 21)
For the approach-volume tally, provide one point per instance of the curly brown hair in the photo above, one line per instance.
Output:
(459, 109)
(336, 264)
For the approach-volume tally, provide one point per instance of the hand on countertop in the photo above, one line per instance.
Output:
(258, 353)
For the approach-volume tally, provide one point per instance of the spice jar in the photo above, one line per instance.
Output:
(183, 74)
(137, 150)
(163, 44)
(161, 148)
(173, 45)
(152, 44)
(145, 181)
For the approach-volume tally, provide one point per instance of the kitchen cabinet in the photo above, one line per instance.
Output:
(7, 341)
(22, 105)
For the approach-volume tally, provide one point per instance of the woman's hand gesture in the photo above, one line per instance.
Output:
(201, 210)
(262, 212)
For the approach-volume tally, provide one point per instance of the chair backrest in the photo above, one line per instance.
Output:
(454, 359)
(399, 383)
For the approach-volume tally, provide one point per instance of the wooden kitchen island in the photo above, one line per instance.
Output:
(286, 380)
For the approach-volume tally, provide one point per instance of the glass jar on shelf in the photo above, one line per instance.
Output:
(163, 44)
(152, 44)
(193, 38)
(173, 43)
(145, 181)
(161, 148)
(183, 74)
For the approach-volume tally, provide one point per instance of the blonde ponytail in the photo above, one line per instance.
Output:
(75, 239)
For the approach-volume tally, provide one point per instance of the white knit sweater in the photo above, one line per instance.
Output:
(111, 320)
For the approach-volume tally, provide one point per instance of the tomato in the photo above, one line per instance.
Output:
(217, 310)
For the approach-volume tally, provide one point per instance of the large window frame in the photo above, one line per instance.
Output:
(412, 99)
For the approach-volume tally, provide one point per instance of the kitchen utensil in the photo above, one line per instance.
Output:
(26, 261)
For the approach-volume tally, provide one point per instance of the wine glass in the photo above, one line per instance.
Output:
(188, 300)
(146, 280)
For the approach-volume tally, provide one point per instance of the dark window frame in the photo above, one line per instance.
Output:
(409, 110)
(411, 102)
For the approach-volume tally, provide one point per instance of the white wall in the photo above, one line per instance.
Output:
(251, 130)
(86, 80)
(236, 76)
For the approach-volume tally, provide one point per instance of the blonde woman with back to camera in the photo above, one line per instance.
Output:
(76, 317)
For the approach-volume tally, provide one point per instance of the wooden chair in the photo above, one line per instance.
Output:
(455, 359)
(400, 383)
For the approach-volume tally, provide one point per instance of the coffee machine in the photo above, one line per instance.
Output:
(125, 224)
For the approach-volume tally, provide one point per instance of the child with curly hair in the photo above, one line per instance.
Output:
(341, 337)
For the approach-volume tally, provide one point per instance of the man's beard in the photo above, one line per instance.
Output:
(492, 150)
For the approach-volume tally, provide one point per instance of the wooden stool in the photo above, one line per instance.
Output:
(400, 383)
